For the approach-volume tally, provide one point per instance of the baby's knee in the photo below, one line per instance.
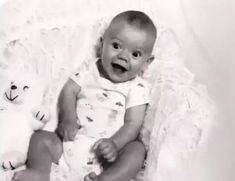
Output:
(136, 147)
(41, 136)
(134, 151)
(47, 139)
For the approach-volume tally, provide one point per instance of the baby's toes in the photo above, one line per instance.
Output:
(17, 176)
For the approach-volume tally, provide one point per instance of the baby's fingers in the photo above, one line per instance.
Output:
(71, 134)
(65, 136)
(60, 133)
(91, 177)
(96, 145)
(105, 151)
(110, 157)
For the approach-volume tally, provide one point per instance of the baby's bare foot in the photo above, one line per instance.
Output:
(91, 177)
(31, 175)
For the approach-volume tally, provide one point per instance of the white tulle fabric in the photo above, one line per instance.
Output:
(180, 115)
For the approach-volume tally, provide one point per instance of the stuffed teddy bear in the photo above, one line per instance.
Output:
(21, 113)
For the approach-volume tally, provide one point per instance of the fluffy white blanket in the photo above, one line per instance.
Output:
(180, 114)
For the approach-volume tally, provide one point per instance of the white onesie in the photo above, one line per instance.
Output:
(101, 108)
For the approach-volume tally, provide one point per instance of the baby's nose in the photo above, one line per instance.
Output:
(13, 87)
(124, 55)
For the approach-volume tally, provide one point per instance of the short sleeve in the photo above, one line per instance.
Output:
(138, 94)
(80, 74)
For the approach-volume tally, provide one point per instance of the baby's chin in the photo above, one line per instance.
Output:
(120, 78)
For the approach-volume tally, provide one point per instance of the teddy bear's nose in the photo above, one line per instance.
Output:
(13, 87)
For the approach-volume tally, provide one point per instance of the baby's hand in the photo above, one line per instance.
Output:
(67, 130)
(106, 148)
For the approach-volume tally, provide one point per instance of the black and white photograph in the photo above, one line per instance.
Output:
(107, 90)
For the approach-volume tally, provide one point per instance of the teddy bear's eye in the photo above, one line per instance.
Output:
(25, 88)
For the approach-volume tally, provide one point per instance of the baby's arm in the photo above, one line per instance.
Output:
(133, 121)
(68, 126)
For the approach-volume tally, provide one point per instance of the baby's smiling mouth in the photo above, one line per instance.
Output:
(119, 67)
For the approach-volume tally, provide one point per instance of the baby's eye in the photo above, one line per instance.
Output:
(25, 88)
(136, 54)
(116, 45)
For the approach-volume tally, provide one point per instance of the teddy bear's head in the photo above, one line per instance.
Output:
(23, 89)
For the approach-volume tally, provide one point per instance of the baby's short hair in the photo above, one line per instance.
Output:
(138, 19)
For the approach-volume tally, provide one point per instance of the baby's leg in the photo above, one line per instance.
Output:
(44, 148)
(125, 167)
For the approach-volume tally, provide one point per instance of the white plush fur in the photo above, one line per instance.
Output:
(21, 113)
(180, 115)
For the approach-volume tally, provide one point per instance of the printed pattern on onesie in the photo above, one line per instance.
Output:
(101, 109)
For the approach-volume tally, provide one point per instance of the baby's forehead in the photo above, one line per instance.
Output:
(124, 31)
(133, 38)
(121, 23)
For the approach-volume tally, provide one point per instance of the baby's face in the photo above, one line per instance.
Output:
(126, 51)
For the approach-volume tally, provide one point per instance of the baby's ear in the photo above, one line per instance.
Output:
(150, 59)
(147, 63)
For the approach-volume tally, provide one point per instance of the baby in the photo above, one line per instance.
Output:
(101, 110)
